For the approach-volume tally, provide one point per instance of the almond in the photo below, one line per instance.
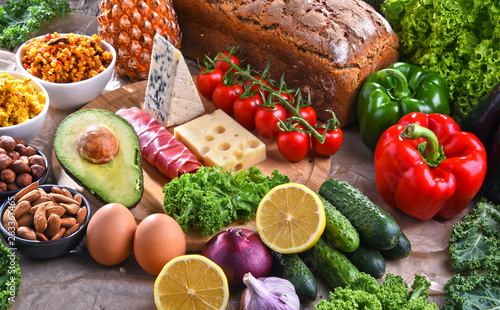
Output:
(56, 190)
(58, 234)
(42, 199)
(71, 230)
(25, 190)
(9, 220)
(40, 219)
(26, 220)
(21, 209)
(55, 209)
(53, 225)
(78, 199)
(40, 236)
(60, 198)
(30, 196)
(26, 233)
(67, 193)
(68, 222)
(81, 215)
(71, 208)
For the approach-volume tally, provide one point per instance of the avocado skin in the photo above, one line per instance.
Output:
(63, 143)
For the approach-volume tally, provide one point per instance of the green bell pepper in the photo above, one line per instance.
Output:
(391, 93)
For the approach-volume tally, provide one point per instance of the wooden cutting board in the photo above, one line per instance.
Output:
(152, 200)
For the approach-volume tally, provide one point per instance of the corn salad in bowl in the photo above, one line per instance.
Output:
(23, 106)
(73, 68)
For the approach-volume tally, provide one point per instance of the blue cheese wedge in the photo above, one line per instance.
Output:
(171, 96)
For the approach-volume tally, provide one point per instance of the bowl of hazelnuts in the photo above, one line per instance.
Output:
(20, 165)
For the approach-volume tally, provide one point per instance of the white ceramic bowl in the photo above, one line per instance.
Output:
(29, 129)
(72, 96)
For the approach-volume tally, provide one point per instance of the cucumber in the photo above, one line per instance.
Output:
(374, 225)
(368, 260)
(292, 268)
(339, 230)
(401, 250)
(330, 264)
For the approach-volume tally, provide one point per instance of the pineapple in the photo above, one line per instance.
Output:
(130, 26)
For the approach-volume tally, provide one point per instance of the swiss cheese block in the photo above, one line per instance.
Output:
(217, 139)
(171, 96)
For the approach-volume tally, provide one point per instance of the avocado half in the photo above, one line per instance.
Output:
(120, 180)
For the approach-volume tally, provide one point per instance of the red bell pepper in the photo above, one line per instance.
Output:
(426, 166)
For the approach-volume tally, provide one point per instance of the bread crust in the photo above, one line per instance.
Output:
(327, 48)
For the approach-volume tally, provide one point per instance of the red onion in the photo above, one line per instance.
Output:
(238, 251)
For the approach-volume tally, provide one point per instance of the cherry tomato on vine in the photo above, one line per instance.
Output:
(245, 109)
(224, 97)
(293, 145)
(309, 114)
(223, 65)
(207, 81)
(332, 142)
(257, 86)
(266, 122)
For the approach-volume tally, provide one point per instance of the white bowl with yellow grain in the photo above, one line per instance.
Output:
(23, 106)
(73, 68)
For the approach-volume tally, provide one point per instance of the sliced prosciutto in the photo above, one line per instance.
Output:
(158, 146)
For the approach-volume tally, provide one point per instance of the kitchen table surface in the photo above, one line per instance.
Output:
(76, 281)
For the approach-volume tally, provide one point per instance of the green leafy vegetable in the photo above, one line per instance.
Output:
(211, 199)
(475, 291)
(10, 277)
(21, 18)
(475, 240)
(393, 294)
(457, 39)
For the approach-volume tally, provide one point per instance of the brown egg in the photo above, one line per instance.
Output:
(157, 240)
(110, 234)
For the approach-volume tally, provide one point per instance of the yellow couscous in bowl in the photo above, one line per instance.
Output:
(19, 101)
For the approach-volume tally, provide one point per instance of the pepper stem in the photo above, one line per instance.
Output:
(431, 151)
(401, 88)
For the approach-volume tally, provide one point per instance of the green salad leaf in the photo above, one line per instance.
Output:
(211, 199)
(457, 39)
(21, 18)
(10, 277)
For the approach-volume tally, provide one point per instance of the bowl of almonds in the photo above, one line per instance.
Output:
(44, 221)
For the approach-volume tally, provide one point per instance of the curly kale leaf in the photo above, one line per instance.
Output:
(211, 199)
(364, 292)
(21, 18)
(459, 40)
(475, 291)
(475, 240)
(10, 277)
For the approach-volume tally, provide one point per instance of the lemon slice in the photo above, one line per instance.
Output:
(290, 218)
(191, 282)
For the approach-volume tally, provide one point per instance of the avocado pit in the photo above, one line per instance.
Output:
(98, 144)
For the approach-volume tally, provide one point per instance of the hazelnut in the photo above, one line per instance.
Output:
(12, 187)
(7, 143)
(8, 176)
(19, 141)
(21, 149)
(37, 171)
(2, 151)
(3, 186)
(36, 160)
(98, 144)
(5, 161)
(24, 179)
(14, 155)
(21, 165)
(30, 151)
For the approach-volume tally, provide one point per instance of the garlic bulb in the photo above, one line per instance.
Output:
(268, 293)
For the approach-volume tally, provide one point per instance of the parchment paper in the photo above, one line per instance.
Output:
(76, 281)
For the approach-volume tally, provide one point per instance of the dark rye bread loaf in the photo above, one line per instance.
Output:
(325, 47)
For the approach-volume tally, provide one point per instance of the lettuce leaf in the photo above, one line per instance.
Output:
(457, 39)
(211, 199)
